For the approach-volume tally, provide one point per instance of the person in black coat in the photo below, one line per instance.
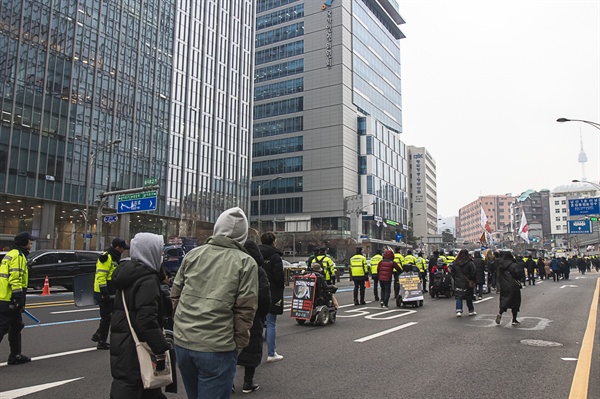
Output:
(530, 266)
(509, 280)
(251, 355)
(463, 271)
(273, 265)
(138, 278)
(479, 273)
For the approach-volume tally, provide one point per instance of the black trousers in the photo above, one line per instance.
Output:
(106, 308)
(386, 287)
(396, 285)
(359, 285)
(11, 322)
(531, 277)
(375, 286)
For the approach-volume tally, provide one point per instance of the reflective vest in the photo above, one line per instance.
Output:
(449, 259)
(104, 271)
(327, 264)
(422, 264)
(375, 262)
(358, 266)
(399, 259)
(14, 275)
(409, 260)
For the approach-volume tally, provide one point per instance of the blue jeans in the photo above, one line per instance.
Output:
(206, 375)
(271, 333)
(459, 305)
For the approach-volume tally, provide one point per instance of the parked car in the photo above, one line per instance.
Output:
(172, 257)
(60, 265)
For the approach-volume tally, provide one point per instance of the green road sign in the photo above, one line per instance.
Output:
(152, 181)
(593, 219)
(145, 194)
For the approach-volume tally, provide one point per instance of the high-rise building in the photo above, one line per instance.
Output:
(423, 194)
(328, 118)
(101, 96)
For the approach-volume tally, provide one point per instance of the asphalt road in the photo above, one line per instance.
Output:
(425, 352)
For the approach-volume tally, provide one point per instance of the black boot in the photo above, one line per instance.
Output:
(249, 386)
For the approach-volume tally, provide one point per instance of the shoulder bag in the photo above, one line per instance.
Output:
(150, 377)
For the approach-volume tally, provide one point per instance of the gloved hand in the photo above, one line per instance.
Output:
(161, 363)
(18, 300)
(104, 292)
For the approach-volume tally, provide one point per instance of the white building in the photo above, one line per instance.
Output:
(422, 193)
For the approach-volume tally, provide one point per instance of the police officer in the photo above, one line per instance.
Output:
(409, 262)
(399, 260)
(326, 263)
(422, 265)
(104, 291)
(374, 273)
(14, 278)
(359, 271)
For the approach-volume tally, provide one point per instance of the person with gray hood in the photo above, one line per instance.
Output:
(138, 279)
(215, 297)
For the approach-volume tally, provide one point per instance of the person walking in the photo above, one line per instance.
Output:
(541, 268)
(399, 259)
(104, 291)
(14, 278)
(385, 271)
(530, 266)
(509, 280)
(479, 273)
(251, 356)
(555, 268)
(359, 273)
(215, 297)
(139, 280)
(463, 271)
(422, 265)
(375, 273)
(491, 261)
(274, 268)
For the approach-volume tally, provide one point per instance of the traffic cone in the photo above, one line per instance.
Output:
(368, 284)
(46, 290)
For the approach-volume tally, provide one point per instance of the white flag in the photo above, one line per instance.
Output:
(524, 229)
(485, 225)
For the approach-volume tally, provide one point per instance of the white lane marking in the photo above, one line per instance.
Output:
(540, 282)
(385, 332)
(487, 298)
(76, 310)
(569, 286)
(50, 356)
(17, 393)
(569, 359)
(577, 278)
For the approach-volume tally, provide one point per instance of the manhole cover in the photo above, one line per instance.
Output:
(539, 342)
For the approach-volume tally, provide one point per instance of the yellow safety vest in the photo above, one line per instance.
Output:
(358, 266)
(327, 264)
(14, 275)
(375, 262)
(104, 271)
(399, 259)
(422, 263)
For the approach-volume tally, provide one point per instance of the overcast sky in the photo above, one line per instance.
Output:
(483, 83)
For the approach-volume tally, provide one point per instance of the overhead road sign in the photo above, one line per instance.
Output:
(138, 202)
(580, 227)
(584, 206)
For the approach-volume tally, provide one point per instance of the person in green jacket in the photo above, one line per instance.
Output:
(215, 297)
(359, 271)
(14, 278)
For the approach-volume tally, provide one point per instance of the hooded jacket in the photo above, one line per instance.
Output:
(215, 291)
(386, 266)
(138, 279)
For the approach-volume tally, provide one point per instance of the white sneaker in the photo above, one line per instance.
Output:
(458, 314)
(473, 313)
(275, 358)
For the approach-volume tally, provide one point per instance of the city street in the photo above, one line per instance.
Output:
(425, 352)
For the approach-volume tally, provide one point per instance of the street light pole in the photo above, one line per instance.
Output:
(587, 182)
(260, 186)
(594, 124)
(88, 187)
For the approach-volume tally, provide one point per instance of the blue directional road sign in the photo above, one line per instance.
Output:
(110, 218)
(139, 202)
(584, 206)
(580, 227)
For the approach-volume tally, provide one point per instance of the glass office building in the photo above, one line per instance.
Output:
(327, 153)
(99, 96)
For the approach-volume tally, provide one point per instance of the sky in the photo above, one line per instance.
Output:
(483, 83)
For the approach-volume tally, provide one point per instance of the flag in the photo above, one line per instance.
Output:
(524, 229)
(487, 229)
(482, 239)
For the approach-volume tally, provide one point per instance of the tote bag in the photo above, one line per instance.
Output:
(151, 378)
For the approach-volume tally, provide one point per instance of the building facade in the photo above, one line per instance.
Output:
(423, 194)
(535, 204)
(91, 92)
(328, 118)
(497, 209)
